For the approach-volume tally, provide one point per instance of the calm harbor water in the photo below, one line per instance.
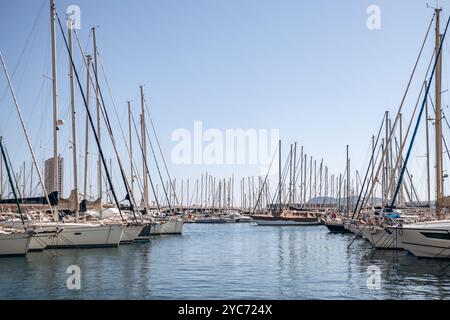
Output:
(233, 261)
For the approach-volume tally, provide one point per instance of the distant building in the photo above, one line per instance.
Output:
(49, 176)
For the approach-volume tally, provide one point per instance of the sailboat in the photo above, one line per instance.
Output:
(285, 217)
(132, 228)
(335, 223)
(429, 239)
(65, 234)
(13, 242)
(158, 223)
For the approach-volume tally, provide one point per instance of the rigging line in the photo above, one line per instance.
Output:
(369, 167)
(160, 149)
(25, 46)
(16, 179)
(190, 202)
(24, 63)
(408, 174)
(295, 178)
(90, 117)
(325, 191)
(403, 100)
(403, 143)
(298, 173)
(420, 116)
(146, 167)
(25, 131)
(129, 197)
(114, 105)
(277, 190)
(280, 188)
(446, 121)
(366, 194)
(120, 125)
(159, 171)
(265, 179)
(11, 183)
(339, 187)
(358, 178)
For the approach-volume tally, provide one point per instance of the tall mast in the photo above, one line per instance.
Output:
(428, 151)
(86, 142)
(279, 176)
(188, 202)
(1, 178)
(315, 183)
(383, 176)
(321, 179)
(232, 190)
(391, 169)
(99, 163)
(16, 197)
(131, 148)
(388, 143)
(201, 191)
(310, 178)
(74, 129)
(182, 192)
(339, 192)
(401, 201)
(438, 115)
(348, 182)
(301, 176)
(144, 147)
(27, 137)
(294, 189)
(24, 180)
(305, 163)
(55, 104)
(373, 170)
(31, 180)
(111, 172)
(290, 175)
(207, 186)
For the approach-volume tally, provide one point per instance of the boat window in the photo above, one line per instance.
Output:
(444, 236)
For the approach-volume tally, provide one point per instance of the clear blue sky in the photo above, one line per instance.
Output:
(309, 68)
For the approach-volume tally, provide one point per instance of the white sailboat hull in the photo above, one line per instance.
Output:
(144, 235)
(167, 227)
(84, 236)
(381, 238)
(15, 244)
(37, 242)
(155, 228)
(356, 229)
(172, 227)
(130, 233)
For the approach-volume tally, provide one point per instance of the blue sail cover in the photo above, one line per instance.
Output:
(391, 215)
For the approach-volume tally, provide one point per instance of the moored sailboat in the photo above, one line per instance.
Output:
(14, 242)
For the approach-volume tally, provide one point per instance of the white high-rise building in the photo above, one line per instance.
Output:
(49, 180)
